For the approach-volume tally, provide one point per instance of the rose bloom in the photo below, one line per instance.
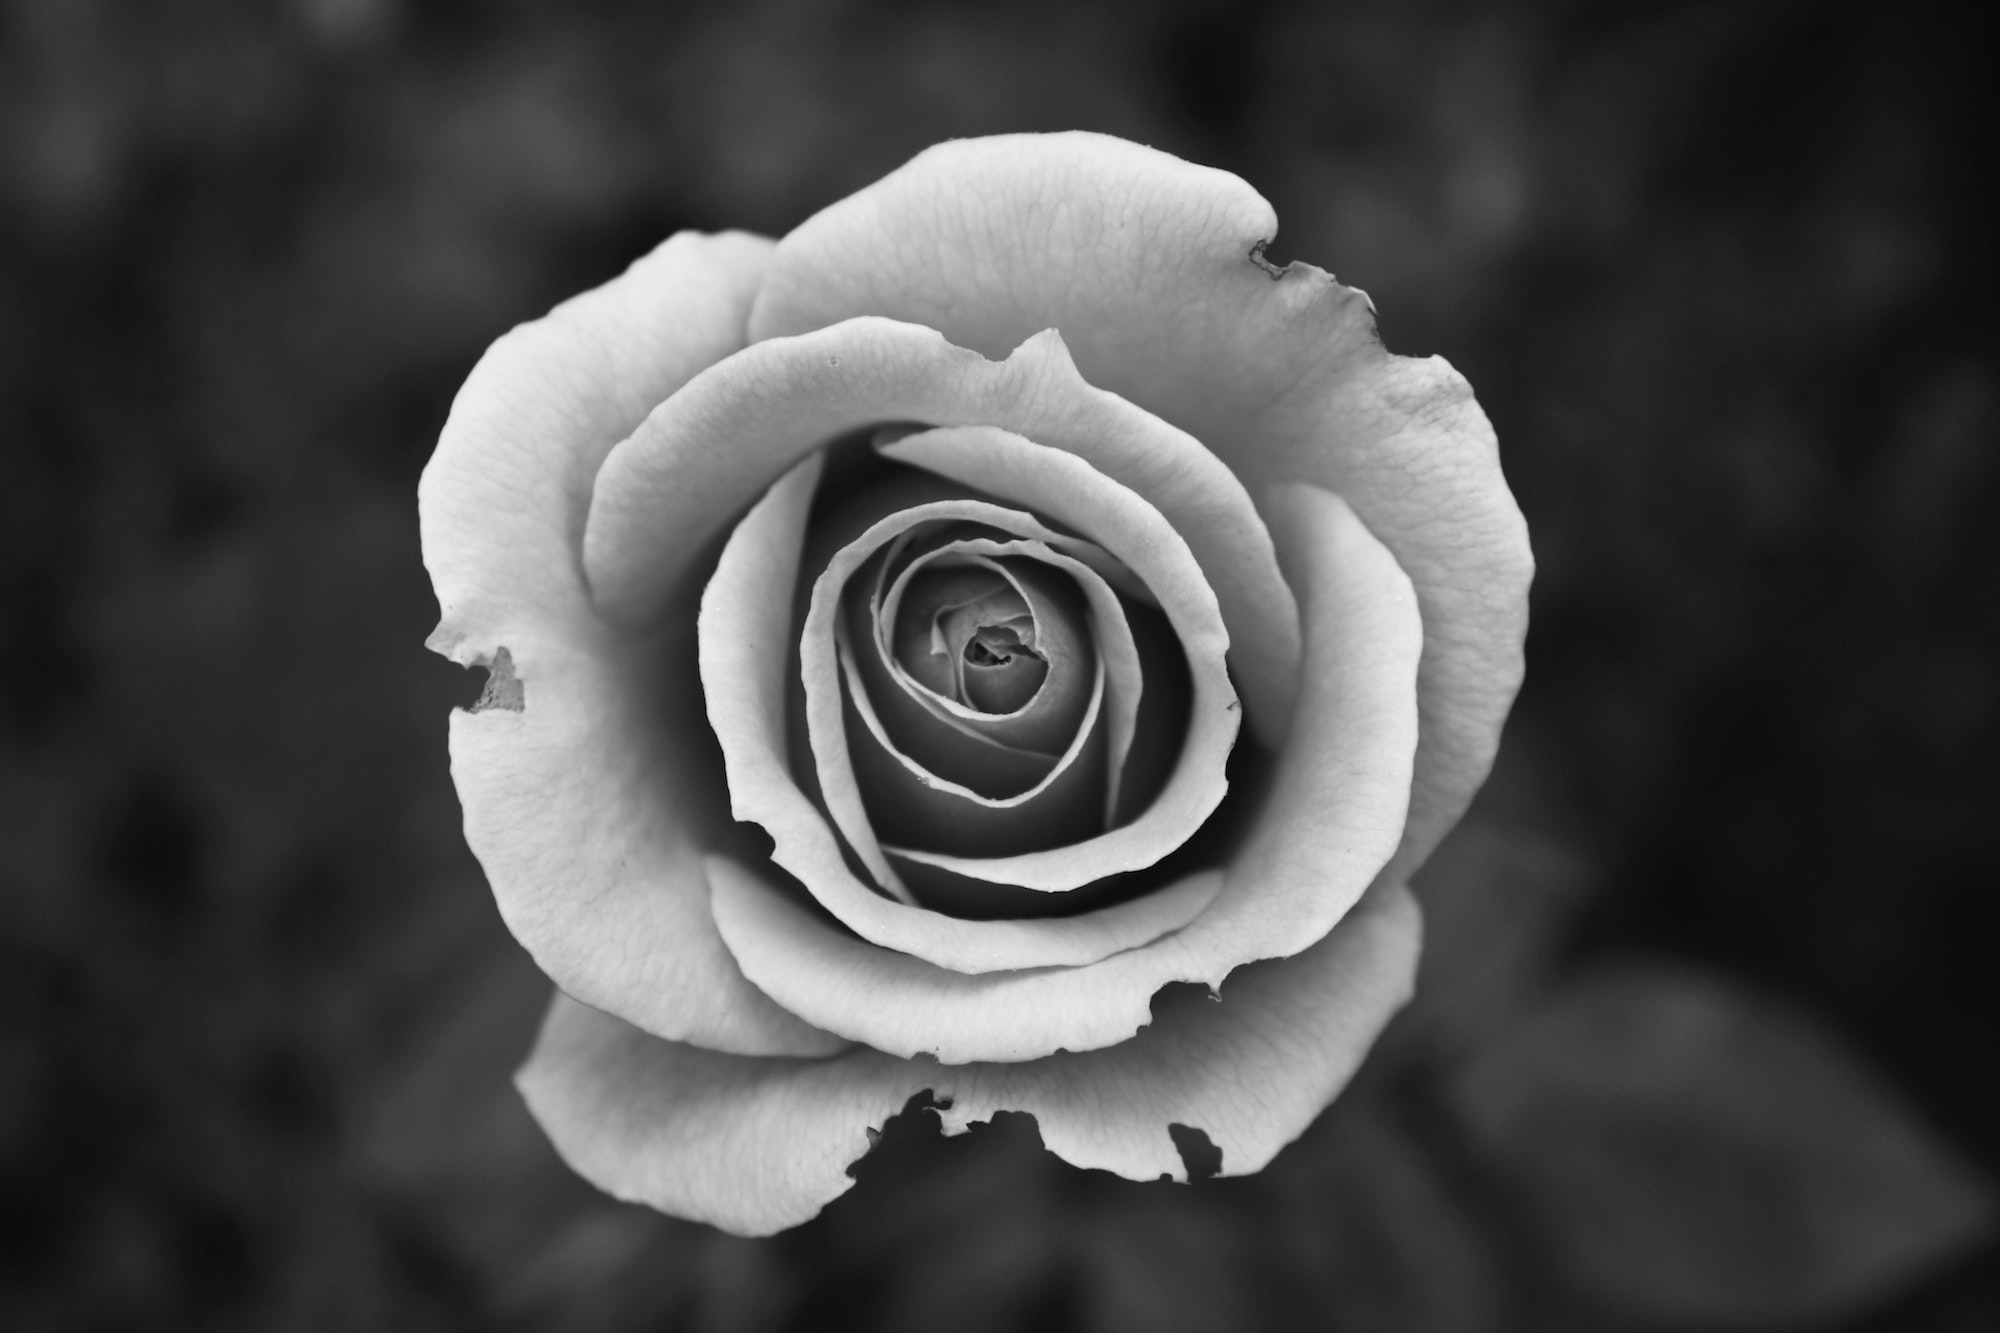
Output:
(917, 642)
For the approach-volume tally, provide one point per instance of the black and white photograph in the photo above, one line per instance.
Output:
(789, 666)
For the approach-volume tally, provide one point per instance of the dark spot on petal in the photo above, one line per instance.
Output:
(1275, 272)
(1202, 1159)
(504, 689)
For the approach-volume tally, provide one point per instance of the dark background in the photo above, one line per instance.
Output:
(1703, 1040)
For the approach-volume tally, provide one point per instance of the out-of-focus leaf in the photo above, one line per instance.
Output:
(1697, 1155)
(461, 1167)
(1496, 896)
(1373, 1226)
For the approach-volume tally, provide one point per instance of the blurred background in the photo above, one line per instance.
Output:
(1704, 1038)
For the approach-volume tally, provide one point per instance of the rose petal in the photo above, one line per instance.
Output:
(504, 498)
(1157, 731)
(900, 638)
(754, 1146)
(995, 756)
(1111, 644)
(579, 802)
(958, 754)
(1158, 557)
(973, 601)
(1153, 270)
(745, 611)
(1069, 490)
(703, 455)
(905, 802)
(1333, 819)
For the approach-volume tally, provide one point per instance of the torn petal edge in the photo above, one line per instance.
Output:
(758, 1145)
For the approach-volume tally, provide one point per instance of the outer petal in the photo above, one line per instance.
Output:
(754, 1146)
(575, 802)
(1153, 270)
(1333, 819)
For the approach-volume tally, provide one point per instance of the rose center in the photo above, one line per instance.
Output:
(994, 668)
(975, 639)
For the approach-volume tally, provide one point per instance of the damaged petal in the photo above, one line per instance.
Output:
(1201, 1158)
(503, 689)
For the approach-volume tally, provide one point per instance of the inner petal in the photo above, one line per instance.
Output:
(1078, 619)
(1001, 673)
(744, 684)
(910, 805)
(998, 669)
(1129, 529)
(1003, 638)
(820, 668)
(967, 633)
(995, 754)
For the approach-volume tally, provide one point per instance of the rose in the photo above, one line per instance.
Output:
(614, 522)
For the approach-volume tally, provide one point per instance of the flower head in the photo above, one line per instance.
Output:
(939, 631)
